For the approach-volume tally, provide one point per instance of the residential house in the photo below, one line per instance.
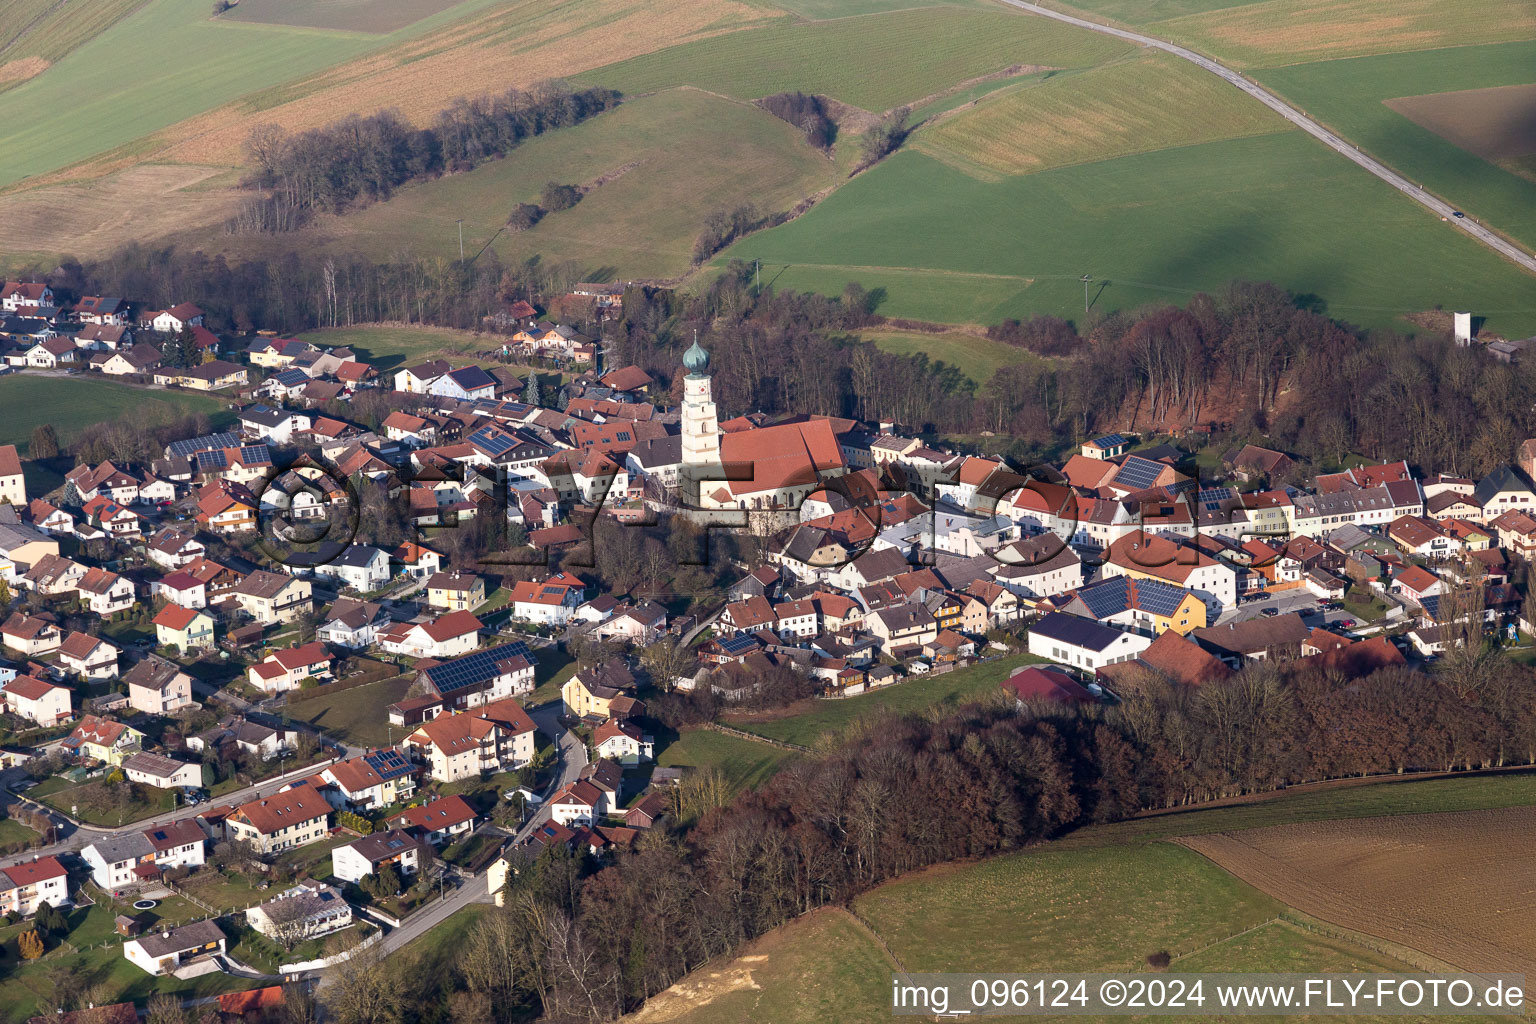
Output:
(592, 693)
(36, 701)
(174, 548)
(212, 376)
(468, 745)
(101, 739)
(112, 518)
(158, 687)
(355, 861)
(1146, 556)
(269, 597)
(307, 911)
(1255, 639)
(28, 885)
(480, 677)
(124, 859)
(159, 772)
(622, 741)
(1037, 567)
(13, 486)
(141, 358)
(169, 950)
(293, 817)
(227, 508)
(50, 520)
(89, 657)
(1426, 538)
(1139, 604)
(903, 629)
(1081, 643)
(1171, 657)
(576, 803)
(30, 636)
(174, 320)
(636, 624)
(185, 629)
(372, 780)
(360, 566)
(353, 624)
(106, 593)
(437, 821)
(455, 591)
(285, 670)
(240, 735)
(447, 636)
(551, 602)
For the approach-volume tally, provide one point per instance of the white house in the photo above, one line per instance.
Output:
(129, 858)
(26, 886)
(164, 952)
(159, 772)
(307, 911)
(622, 741)
(1038, 567)
(447, 636)
(360, 858)
(360, 566)
(1083, 643)
(89, 657)
(551, 602)
(286, 669)
(36, 701)
(1145, 556)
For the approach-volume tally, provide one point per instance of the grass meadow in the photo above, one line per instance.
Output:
(377, 16)
(1156, 227)
(875, 62)
(73, 403)
(1153, 101)
(744, 763)
(978, 358)
(1347, 96)
(1099, 900)
(916, 695)
(665, 162)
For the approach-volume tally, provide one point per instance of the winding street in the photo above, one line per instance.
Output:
(1347, 149)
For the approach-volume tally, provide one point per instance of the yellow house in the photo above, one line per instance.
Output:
(102, 739)
(1143, 605)
(601, 692)
(456, 591)
(183, 628)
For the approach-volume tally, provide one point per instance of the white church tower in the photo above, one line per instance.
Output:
(701, 425)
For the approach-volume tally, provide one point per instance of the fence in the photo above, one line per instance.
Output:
(754, 737)
(328, 961)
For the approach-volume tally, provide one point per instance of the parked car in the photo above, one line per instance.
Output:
(1270, 612)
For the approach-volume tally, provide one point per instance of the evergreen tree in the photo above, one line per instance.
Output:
(531, 392)
(71, 495)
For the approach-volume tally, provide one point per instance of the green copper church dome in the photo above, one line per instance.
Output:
(696, 360)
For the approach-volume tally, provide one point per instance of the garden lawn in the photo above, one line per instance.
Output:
(391, 348)
(745, 764)
(1157, 227)
(916, 694)
(355, 716)
(91, 803)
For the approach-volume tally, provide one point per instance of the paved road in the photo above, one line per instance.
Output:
(74, 836)
(572, 755)
(1493, 241)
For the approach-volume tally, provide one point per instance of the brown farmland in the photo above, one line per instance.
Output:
(1460, 887)
(1496, 124)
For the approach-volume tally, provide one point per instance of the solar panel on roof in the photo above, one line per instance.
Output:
(737, 644)
(474, 668)
(1138, 474)
(192, 445)
(1109, 441)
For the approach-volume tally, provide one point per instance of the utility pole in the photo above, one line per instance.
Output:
(1087, 280)
(460, 223)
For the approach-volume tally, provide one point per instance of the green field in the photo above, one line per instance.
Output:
(978, 358)
(1347, 96)
(915, 695)
(379, 16)
(163, 64)
(744, 763)
(1143, 12)
(389, 348)
(1130, 106)
(1101, 900)
(674, 158)
(874, 62)
(49, 28)
(72, 403)
(1154, 227)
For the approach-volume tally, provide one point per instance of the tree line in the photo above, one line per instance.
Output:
(581, 941)
(364, 159)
